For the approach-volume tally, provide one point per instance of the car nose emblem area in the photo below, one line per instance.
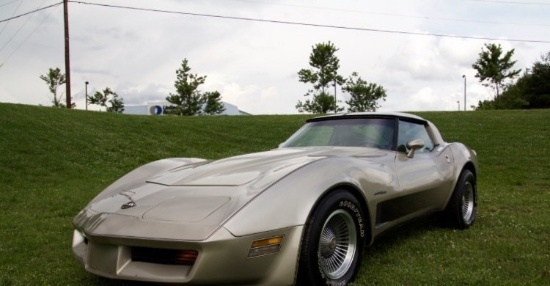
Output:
(128, 205)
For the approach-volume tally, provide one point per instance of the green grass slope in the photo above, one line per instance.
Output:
(53, 161)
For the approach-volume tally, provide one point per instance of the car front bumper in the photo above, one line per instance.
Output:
(221, 259)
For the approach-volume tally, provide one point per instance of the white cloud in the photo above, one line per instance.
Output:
(254, 64)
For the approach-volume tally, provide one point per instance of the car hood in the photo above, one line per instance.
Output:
(235, 171)
(198, 197)
(246, 169)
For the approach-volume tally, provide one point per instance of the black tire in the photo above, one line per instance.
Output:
(462, 207)
(333, 241)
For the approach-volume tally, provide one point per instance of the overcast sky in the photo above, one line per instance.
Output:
(417, 50)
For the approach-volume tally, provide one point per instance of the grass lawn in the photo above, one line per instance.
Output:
(53, 161)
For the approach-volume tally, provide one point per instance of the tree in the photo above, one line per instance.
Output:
(212, 103)
(320, 104)
(513, 96)
(531, 90)
(107, 95)
(537, 92)
(54, 78)
(187, 100)
(364, 95)
(323, 74)
(117, 104)
(493, 67)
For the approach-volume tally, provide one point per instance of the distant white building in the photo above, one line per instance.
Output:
(158, 107)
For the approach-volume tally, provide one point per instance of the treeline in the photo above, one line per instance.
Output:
(531, 89)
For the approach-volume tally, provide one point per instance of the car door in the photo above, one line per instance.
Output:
(421, 178)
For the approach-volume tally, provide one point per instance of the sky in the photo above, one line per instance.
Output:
(251, 51)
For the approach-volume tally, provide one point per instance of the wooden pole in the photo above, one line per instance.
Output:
(67, 57)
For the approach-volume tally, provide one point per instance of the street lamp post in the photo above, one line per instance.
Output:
(464, 76)
(87, 95)
(335, 104)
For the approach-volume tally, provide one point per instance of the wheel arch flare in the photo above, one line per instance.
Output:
(290, 201)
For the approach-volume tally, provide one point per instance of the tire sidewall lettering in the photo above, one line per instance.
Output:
(311, 269)
(352, 208)
(356, 213)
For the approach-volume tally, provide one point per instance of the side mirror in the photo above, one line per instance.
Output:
(414, 145)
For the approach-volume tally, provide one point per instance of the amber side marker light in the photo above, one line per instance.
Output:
(265, 246)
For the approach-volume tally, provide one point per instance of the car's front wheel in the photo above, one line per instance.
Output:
(462, 207)
(333, 241)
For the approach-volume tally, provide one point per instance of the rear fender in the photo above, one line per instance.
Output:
(464, 157)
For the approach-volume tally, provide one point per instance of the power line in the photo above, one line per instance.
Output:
(512, 2)
(280, 22)
(396, 15)
(308, 24)
(14, 11)
(30, 12)
(21, 15)
(20, 27)
(26, 38)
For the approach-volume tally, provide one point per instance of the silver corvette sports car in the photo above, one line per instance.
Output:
(298, 214)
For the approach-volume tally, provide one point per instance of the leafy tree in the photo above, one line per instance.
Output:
(485, 105)
(364, 95)
(54, 78)
(117, 104)
(212, 103)
(510, 99)
(107, 95)
(513, 97)
(537, 92)
(100, 97)
(493, 67)
(531, 90)
(322, 75)
(187, 100)
(320, 104)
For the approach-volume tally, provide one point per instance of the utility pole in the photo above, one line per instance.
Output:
(464, 76)
(87, 95)
(67, 57)
(335, 104)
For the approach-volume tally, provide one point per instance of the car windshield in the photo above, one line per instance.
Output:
(359, 132)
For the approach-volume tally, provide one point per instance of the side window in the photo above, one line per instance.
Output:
(409, 131)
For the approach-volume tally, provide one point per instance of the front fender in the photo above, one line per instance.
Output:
(289, 202)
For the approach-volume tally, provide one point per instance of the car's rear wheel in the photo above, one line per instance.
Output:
(333, 241)
(462, 207)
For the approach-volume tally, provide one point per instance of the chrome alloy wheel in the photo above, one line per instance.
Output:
(468, 201)
(337, 244)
